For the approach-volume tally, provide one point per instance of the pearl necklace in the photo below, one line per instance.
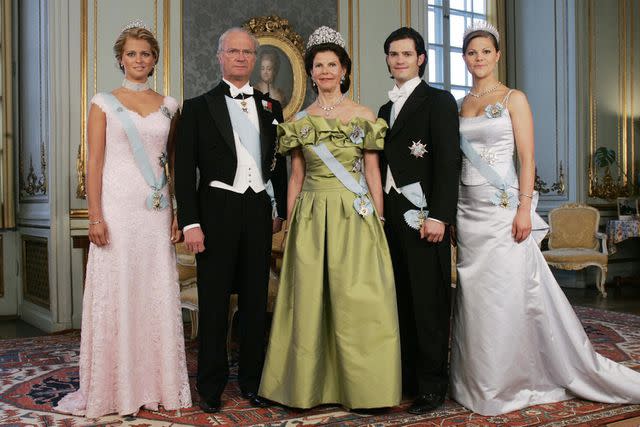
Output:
(134, 86)
(328, 108)
(485, 92)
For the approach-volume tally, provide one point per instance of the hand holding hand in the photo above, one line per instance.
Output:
(432, 230)
(176, 234)
(194, 240)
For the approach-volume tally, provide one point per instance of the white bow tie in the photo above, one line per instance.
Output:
(397, 93)
(247, 90)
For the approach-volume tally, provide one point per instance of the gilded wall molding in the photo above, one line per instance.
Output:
(34, 184)
(8, 141)
(619, 175)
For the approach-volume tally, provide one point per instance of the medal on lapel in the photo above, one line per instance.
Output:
(418, 149)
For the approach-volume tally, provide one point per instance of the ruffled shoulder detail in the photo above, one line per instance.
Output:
(99, 100)
(310, 130)
(172, 104)
(374, 133)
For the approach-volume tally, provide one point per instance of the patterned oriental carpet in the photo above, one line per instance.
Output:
(36, 372)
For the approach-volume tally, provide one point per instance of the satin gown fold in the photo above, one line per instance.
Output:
(334, 336)
(517, 341)
(132, 346)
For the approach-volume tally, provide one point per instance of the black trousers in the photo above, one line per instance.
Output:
(237, 230)
(422, 273)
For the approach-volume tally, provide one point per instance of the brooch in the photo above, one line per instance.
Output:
(417, 149)
(119, 110)
(415, 218)
(357, 165)
(505, 199)
(488, 156)
(363, 206)
(493, 111)
(357, 134)
(304, 132)
(267, 105)
(165, 111)
(156, 202)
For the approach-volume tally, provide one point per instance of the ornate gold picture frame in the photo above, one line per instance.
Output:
(279, 66)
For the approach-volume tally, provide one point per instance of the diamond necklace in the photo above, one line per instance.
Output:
(485, 92)
(136, 87)
(328, 108)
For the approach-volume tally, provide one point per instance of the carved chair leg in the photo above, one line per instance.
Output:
(602, 279)
(194, 323)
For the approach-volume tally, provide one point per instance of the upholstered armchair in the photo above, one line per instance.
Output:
(575, 243)
(187, 276)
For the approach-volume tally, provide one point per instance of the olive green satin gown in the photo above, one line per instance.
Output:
(334, 336)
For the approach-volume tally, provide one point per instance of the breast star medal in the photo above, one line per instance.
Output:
(418, 149)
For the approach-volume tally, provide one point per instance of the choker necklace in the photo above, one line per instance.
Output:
(136, 87)
(485, 92)
(328, 108)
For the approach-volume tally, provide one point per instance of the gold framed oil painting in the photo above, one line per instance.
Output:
(279, 70)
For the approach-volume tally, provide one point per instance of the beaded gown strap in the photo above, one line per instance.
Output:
(505, 100)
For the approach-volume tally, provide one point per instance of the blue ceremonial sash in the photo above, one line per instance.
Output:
(361, 204)
(250, 139)
(155, 200)
(413, 192)
(502, 197)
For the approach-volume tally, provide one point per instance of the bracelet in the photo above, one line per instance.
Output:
(96, 222)
(527, 195)
(381, 218)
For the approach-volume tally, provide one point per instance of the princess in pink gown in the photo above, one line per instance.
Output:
(132, 347)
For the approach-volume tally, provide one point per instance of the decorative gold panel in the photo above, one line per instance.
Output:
(35, 272)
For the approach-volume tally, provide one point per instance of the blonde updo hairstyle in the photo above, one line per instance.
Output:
(140, 34)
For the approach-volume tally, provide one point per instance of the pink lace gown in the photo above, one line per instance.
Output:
(132, 347)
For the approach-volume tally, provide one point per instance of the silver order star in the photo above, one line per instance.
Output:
(417, 148)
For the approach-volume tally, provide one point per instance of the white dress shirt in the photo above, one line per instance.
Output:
(407, 89)
(401, 95)
(247, 172)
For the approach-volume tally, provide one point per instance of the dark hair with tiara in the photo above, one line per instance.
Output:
(475, 35)
(342, 55)
(408, 33)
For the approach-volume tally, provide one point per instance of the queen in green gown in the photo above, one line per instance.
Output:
(334, 336)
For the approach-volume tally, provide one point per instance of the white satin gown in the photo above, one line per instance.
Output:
(516, 340)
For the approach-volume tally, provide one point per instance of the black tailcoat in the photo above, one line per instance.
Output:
(422, 269)
(237, 229)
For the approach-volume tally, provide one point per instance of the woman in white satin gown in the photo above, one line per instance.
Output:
(517, 341)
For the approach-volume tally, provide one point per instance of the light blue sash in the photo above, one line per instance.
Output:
(155, 200)
(502, 197)
(413, 192)
(361, 204)
(250, 139)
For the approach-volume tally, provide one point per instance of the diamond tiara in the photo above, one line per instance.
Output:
(325, 34)
(136, 23)
(481, 26)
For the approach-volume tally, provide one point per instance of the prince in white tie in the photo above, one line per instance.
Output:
(420, 166)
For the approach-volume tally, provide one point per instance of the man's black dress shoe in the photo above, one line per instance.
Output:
(255, 400)
(426, 403)
(209, 406)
